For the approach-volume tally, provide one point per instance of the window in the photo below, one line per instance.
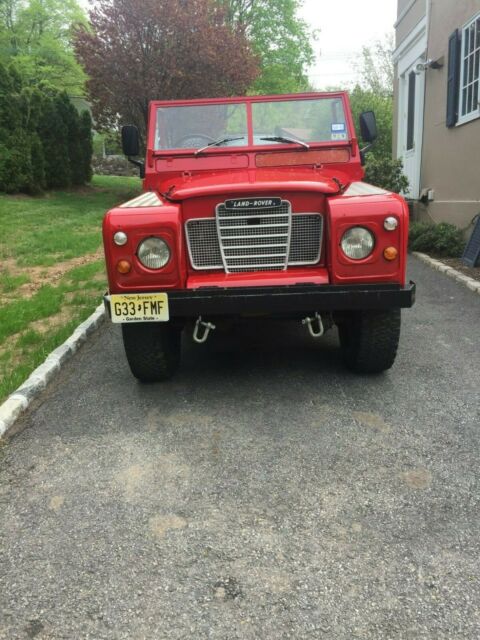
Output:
(411, 111)
(469, 107)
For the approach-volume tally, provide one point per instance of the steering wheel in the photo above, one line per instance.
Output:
(193, 141)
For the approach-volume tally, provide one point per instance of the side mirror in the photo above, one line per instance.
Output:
(131, 146)
(130, 140)
(368, 126)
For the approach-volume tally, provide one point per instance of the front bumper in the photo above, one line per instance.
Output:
(216, 301)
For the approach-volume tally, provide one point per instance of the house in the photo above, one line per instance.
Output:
(437, 109)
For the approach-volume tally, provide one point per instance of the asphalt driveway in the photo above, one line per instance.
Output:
(263, 493)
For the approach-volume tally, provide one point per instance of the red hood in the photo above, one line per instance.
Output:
(250, 181)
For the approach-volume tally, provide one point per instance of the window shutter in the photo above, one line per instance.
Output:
(453, 88)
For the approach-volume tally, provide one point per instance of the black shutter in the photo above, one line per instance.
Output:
(412, 80)
(453, 89)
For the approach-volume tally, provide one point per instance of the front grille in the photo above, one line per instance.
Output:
(254, 240)
(203, 245)
(306, 239)
(242, 251)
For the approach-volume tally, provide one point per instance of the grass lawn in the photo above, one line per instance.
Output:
(51, 270)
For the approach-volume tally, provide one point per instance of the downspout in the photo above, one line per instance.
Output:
(429, 18)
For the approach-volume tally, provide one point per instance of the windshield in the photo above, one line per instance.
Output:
(319, 120)
(197, 126)
(204, 127)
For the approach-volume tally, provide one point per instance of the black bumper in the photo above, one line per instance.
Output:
(208, 302)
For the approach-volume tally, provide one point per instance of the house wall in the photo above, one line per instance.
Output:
(451, 157)
(411, 35)
(409, 15)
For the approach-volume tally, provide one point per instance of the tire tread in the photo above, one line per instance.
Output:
(370, 340)
(152, 350)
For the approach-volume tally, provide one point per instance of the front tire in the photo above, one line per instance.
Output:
(152, 350)
(369, 340)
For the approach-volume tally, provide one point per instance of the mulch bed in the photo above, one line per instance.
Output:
(457, 264)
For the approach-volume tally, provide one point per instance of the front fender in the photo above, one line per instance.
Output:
(368, 210)
(140, 223)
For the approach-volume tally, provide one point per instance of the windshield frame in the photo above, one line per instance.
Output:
(250, 147)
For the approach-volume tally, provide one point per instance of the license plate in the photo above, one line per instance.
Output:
(139, 307)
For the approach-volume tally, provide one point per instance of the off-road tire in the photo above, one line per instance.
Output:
(152, 350)
(369, 340)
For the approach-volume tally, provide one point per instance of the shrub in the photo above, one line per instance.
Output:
(54, 135)
(442, 240)
(386, 173)
(44, 142)
(86, 146)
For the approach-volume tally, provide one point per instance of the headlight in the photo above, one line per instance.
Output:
(357, 243)
(153, 253)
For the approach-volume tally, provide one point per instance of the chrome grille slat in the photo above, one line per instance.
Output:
(236, 246)
(249, 246)
(261, 225)
(270, 220)
(227, 233)
(258, 255)
(256, 215)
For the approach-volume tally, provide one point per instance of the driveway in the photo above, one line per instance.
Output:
(263, 493)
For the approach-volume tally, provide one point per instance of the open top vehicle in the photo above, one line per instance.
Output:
(253, 207)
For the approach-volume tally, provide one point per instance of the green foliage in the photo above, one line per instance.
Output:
(281, 40)
(367, 100)
(375, 93)
(380, 169)
(86, 147)
(35, 39)
(385, 172)
(108, 143)
(54, 133)
(44, 142)
(442, 240)
(376, 66)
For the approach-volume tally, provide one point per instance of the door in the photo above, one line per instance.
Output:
(412, 96)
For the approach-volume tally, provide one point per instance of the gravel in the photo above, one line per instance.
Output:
(265, 492)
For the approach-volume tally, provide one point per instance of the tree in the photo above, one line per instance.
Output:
(35, 39)
(375, 93)
(376, 67)
(135, 52)
(86, 144)
(281, 40)
(15, 149)
(367, 100)
(54, 134)
(44, 143)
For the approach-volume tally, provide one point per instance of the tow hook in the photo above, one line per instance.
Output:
(312, 324)
(206, 326)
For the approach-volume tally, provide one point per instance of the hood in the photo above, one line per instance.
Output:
(249, 181)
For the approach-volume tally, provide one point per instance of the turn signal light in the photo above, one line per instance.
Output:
(390, 253)
(124, 266)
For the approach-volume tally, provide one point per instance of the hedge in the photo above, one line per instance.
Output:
(44, 142)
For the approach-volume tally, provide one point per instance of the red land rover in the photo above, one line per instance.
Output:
(251, 207)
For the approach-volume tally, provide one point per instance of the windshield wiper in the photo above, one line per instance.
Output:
(217, 143)
(288, 140)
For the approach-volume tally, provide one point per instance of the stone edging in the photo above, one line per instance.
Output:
(470, 283)
(19, 400)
